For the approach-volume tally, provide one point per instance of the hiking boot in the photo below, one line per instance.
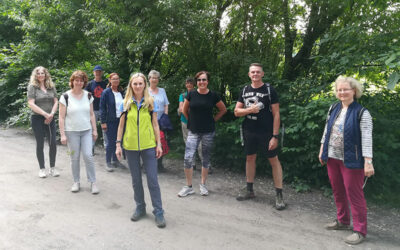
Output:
(160, 221)
(245, 194)
(203, 190)
(354, 238)
(279, 203)
(75, 187)
(109, 167)
(185, 191)
(94, 188)
(118, 164)
(53, 172)
(138, 214)
(42, 173)
(336, 225)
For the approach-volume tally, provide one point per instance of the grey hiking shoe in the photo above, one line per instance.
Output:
(185, 191)
(336, 225)
(245, 194)
(203, 190)
(118, 164)
(138, 214)
(160, 221)
(354, 238)
(109, 167)
(279, 203)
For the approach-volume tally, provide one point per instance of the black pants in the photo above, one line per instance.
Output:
(40, 129)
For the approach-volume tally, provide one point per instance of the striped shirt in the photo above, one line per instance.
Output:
(336, 145)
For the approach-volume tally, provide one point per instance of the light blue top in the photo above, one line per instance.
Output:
(160, 100)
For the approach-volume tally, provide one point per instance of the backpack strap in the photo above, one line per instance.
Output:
(331, 108)
(66, 99)
(360, 113)
(269, 95)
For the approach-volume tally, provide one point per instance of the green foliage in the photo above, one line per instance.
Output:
(310, 43)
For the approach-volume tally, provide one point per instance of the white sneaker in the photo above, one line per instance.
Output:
(42, 173)
(95, 189)
(185, 191)
(75, 187)
(203, 190)
(54, 172)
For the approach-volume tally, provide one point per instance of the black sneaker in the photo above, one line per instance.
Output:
(160, 221)
(245, 194)
(137, 215)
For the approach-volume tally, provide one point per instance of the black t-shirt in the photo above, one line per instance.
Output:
(201, 119)
(262, 122)
(96, 88)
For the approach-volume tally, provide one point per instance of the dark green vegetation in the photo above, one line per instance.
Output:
(303, 45)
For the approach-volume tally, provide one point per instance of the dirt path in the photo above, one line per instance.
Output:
(43, 214)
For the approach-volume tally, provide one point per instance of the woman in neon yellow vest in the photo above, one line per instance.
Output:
(139, 134)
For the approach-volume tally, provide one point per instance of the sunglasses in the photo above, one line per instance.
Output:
(202, 79)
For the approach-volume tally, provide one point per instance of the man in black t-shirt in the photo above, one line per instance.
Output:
(258, 103)
(96, 87)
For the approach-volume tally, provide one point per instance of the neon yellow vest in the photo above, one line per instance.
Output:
(139, 132)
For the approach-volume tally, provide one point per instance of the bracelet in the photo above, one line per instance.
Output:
(118, 141)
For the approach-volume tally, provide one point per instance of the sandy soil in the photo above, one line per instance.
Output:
(43, 214)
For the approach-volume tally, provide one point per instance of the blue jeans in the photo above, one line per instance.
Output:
(81, 142)
(112, 129)
(150, 164)
(192, 144)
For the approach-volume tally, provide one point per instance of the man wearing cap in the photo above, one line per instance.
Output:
(96, 87)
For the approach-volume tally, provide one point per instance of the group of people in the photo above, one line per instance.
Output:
(130, 126)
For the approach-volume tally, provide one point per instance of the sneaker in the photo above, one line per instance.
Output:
(245, 194)
(138, 214)
(42, 173)
(160, 221)
(354, 238)
(279, 203)
(185, 191)
(203, 190)
(94, 188)
(118, 164)
(109, 167)
(75, 187)
(54, 172)
(336, 225)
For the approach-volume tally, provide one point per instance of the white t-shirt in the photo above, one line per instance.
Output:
(118, 101)
(77, 117)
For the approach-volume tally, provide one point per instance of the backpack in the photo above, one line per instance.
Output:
(269, 93)
(66, 97)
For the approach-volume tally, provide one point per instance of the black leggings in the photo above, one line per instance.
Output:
(40, 129)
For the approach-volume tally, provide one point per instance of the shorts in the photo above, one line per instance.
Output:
(258, 141)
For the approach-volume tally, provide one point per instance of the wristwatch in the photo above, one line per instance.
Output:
(369, 161)
(275, 136)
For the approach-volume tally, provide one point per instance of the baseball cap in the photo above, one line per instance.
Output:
(98, 67)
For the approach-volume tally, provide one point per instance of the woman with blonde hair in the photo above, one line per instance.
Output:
(78, 128)
(346, 148)
(139, 134)
(43, 102)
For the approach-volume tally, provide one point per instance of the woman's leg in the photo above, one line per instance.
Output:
(51, 128)
(74, 149)
(150, 163)
(207, 140)
(339, 190)
(353, 181)
(37, 123)
(112, 137)
(190, 150)
(133, 158)
(86, 148)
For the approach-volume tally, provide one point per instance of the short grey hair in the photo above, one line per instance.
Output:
(354, 84)
(154, 73)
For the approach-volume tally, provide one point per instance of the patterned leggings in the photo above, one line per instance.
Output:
(192, 143)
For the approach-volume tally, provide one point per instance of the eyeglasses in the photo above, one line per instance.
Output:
(202, 79)
(343, 90)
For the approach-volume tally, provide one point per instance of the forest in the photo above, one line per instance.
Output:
(304, 45)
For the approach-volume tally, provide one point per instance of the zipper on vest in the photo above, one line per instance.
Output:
(138, 137)
(356, 152)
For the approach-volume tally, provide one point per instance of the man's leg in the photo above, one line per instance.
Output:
(277, 176)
